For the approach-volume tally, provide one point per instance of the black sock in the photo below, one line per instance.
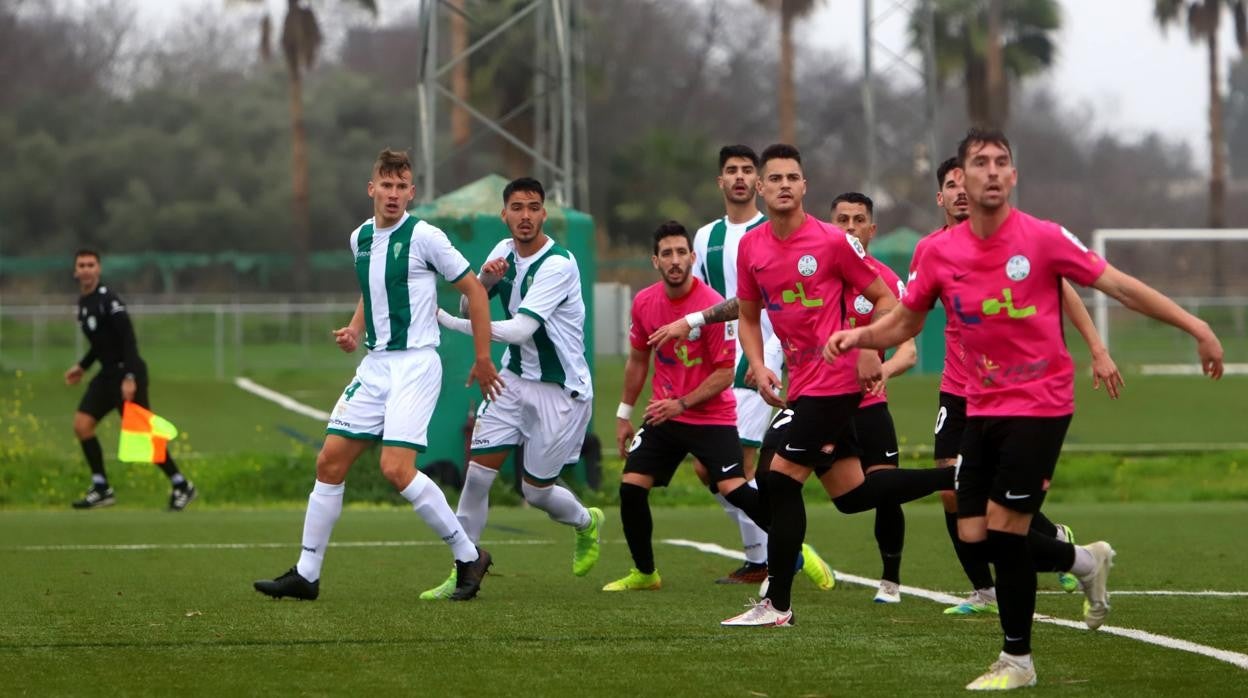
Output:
(977, 570)
(1016, 589)
(784, 541)
(760, 477)
(95, 460)
(1041, 524)
(170, 470)
(746, 499)
(1049, 554)
(638, 526)
(890, 535)
(896, 485)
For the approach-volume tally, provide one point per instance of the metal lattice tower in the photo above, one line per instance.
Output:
(895, 155)
(557, 99)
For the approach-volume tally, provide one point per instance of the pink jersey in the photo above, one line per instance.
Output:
(1006, 292)
(955, 374)
(801, 282)
(681, 366)
(861, 311)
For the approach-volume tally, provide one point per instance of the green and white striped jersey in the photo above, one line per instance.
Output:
(716, 245)
(546, 286)
(397, 269)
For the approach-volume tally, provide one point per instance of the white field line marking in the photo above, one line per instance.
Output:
(284, 400)
(1163, 592)
(1234, 658)
(250, 546)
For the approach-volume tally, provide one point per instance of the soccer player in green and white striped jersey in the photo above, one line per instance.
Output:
(392, 397)
(546, 405)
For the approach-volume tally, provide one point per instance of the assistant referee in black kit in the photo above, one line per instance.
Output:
(122, 377)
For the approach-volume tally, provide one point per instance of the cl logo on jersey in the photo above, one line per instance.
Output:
(683, 354)
(799, 294)
(807, 265)
(1018, 267)
(862, 306)
(994, 306)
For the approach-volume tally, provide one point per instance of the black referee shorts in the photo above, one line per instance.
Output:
(104, 392)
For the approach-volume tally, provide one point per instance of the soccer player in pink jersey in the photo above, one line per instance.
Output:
(854, 213)
(691, 410)
(951, 415)
(799, 268)
(1001, 271)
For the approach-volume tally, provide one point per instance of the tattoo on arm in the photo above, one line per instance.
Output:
(721, 313)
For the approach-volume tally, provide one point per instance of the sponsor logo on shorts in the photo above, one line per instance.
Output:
(790, 449)
(480, 442)
(340, 423)
(890, 454)
(726, 468)
(1011, 495)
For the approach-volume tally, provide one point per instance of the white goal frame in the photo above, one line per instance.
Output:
(1101, 301)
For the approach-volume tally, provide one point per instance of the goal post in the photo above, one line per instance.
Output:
(1169, 262)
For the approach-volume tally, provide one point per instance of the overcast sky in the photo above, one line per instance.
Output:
(1111, 58)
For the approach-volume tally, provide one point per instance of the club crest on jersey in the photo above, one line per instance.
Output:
(1018, 267)
(806, 266)
(398, 249)
(862, 306)
(695, 334)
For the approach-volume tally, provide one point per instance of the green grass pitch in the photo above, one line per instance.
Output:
(183, 619)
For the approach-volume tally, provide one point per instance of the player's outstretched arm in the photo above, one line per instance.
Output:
(635, 371)
(483, 370)
(680, 329)
(1104, 370)
(1146, 300)
(659, 411)
(896, 327)
(348, 338)
(514, 331)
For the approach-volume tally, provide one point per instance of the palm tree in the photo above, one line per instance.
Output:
(1203, 18)
(301, 40)
(790, 11)
(970, 34)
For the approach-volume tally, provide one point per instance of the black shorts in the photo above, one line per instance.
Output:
(1009, 460)
(877, 437)
(950, 423)
(658, 450)
(104, 392)
(815, 431)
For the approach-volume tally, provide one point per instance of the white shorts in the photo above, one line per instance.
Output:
(542, 417)
(753, 416)
(753, 412)
(391, 399)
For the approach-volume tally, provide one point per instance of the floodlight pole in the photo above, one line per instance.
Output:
(558, 101)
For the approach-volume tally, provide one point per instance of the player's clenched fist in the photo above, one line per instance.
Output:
(840, 342)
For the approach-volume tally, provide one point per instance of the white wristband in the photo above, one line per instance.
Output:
(695, 319)
(624, 411)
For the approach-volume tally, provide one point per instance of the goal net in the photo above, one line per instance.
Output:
(1204, 271)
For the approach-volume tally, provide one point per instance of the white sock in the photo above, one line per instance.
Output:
(1022, 660)
(324, 508)
(1085, 562)
(1061, 534)
(989, 594)
(560, 504)
(753, 538)
(428, 501)
(474, 502)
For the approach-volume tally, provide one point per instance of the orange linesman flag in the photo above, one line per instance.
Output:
(143, 435)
